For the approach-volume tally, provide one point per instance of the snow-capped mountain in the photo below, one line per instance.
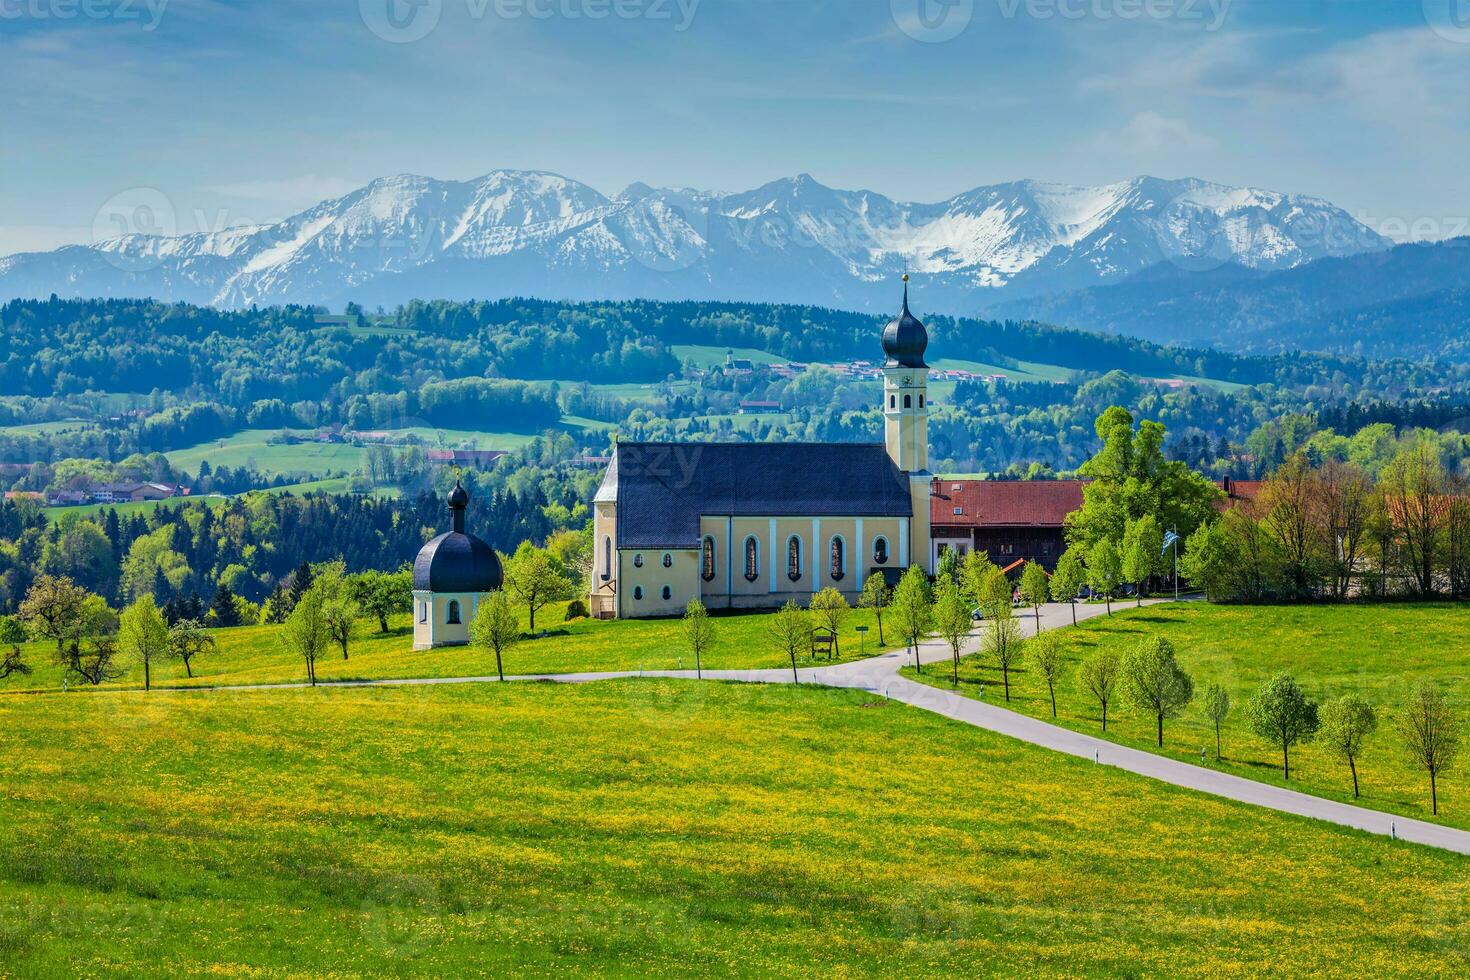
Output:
(514, 233)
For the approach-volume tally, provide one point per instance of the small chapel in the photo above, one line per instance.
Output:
(450, 575)
(751, 525)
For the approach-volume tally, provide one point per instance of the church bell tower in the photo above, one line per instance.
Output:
(906, 421)
(905, 390)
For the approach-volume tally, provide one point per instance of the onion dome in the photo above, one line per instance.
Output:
(905, 339)
(457, 562)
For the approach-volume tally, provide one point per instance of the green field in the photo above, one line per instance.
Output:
(656, 828)
(708, 356)
(256, 655)
(48, 428)
(1374, 651)
(255, 449)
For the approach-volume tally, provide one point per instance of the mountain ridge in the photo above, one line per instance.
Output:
(794, 240)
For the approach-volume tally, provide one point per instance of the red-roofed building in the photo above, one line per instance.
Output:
(1011, 520)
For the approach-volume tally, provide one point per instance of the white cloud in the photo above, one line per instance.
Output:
(1151, 132)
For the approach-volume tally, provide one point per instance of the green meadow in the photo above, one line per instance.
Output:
(1374, 651)
(257, 654)
(644, 828)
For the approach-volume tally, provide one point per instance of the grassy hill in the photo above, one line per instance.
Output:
(656, 828)
(1374, 651)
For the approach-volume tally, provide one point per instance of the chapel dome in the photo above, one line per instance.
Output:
(905, 339)
(457, 562)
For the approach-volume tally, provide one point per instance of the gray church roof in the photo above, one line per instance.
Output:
(662, 489)
(457, 562)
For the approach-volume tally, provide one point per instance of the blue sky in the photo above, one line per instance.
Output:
(238, 111)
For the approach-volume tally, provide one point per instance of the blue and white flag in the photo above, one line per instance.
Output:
(1170, 539)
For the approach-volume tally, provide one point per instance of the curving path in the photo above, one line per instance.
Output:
(881, 675)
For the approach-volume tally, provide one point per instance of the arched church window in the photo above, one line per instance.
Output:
(908, 401)
(668, 593)
(839, 560)
(606, 558)
(637, 561)
(423, 612)
(921, 401)
(793, 559)
(638, 593)
(668, 561)
(752, 559)
(892, 401)
(453, 619)
(707, 560)
(880, 551)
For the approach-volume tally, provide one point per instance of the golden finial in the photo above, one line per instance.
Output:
(905, 277)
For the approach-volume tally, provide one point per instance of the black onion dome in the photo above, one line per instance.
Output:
(457, 562)
(905, 339)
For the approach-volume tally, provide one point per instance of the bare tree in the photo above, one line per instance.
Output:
(1288, 501)
(1217, 709)
(1431, 733)
(1415, 492)
(1343, 509)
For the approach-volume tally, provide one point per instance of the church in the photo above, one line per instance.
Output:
(751, 525)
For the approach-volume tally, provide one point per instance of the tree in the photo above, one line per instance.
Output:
(222, 605)
(791, 628)
(89, 650)
(188, 639)
(1154, 682)
(1003, 642)
(340, 613)
(496, 627)
(535, 579)
(1046, 653)
(1034, 589)
(952, 619)
(143, 634)
(1431, 733)
(52, 607)
(1344, 506)
(12, 635)
(876, 596)
(831, 608)
(1098, 674)
(1068, 579)
(699, 633)
(1346, 724)
(1131, 477)
(1281, 713)
(1211, 561)
(1103, 570)
(1415, 487)
(911, 612)
(383, 594)
(306, 633)
(1217, 709)
(977, 577)
(1143, 545)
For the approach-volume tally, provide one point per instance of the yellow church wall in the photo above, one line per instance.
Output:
(603, 599)
(641, 590)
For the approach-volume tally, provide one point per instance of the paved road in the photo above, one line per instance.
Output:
(881, 675)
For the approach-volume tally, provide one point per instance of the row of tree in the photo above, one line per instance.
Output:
(1333, 531)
